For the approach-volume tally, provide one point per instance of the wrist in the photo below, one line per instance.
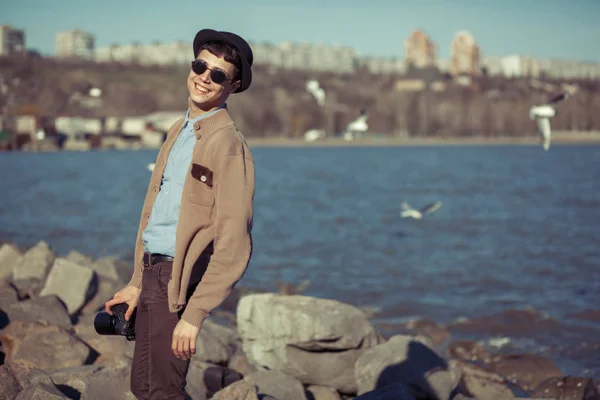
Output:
(194, 316)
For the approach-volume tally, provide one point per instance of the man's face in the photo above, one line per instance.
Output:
(205, 94)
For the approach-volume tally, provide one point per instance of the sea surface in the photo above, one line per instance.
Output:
(511, 258)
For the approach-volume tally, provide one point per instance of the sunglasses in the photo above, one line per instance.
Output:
(216, 75)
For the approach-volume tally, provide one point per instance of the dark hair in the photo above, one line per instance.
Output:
(228, 52)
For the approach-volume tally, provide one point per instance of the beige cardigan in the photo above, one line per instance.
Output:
(216, 205)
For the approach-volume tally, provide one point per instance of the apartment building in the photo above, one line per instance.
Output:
(155, 53)
(420, 51)
(11, 40)
(464, 59)
(75, 44)
(306, 56)
(383, 65)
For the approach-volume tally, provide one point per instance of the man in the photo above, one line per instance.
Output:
(194, 239)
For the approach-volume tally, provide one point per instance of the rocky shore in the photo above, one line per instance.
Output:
(282, 345)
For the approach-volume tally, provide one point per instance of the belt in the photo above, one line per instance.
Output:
(153, 258)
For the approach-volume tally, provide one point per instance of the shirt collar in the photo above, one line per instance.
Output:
(206, 114)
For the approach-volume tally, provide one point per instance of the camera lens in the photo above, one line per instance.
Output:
(104, 323)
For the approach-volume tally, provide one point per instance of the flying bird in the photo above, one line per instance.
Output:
(542, 115)
(409, 212)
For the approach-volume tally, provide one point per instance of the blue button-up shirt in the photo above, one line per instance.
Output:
(159, 235)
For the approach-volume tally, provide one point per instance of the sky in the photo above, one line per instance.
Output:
(567, 29)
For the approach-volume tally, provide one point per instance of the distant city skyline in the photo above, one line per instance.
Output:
(549, 29)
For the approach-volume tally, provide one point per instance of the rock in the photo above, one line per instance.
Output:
(42, 346)
(29, 275)
(87, 381)
(567, 388)
(74, 380)
(240, 390)
(195, 378)
(239, 362)
(396, 391)
(216, 343)
(9, 385)
(468, 350)
(109, 347)
(525, 370)
(482, 384)
(105, 290)
(41, 391)
(8, 296)
(78, 258)
(70, 282)
(108, 383)
(46, 310)
(10, 256)
(26, 374)
(403, 359)
(314, 340)
(108, 267)
(315, 392)
(277, 385)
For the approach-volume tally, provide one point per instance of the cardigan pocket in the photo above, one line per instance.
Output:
(201, 186)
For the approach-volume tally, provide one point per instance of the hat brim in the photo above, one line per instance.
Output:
(210, 35)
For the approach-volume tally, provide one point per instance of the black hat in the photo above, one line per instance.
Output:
(210, 35)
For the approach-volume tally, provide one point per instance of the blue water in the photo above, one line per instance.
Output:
(519, 228)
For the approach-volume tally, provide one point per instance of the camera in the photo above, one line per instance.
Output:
(106, 324)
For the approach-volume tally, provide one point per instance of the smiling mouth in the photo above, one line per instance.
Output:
(201, 89)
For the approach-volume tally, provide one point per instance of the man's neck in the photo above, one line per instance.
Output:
(196, 111)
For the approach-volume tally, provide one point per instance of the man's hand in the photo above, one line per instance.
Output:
(129, 295)
(184, 340)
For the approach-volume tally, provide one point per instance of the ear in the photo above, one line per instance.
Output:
(235, 85)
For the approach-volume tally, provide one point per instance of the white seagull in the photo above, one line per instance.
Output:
(409, 212)
(542, 115)
(358, 127)
(313, 87)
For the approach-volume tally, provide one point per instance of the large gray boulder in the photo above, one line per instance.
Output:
(314, 340)
(43, 347)
(42, 391)
(9, 385)
(216, 343)
(46, 310)
(70, 282)
(79, 258)
(8, 296)
(10, 256)
(476, 381)
(28, 276)
(277, 385)
(111, 348)
(107, 267)
(240, 390)
(407, 360)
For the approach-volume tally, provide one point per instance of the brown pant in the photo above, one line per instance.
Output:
(156, 373)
